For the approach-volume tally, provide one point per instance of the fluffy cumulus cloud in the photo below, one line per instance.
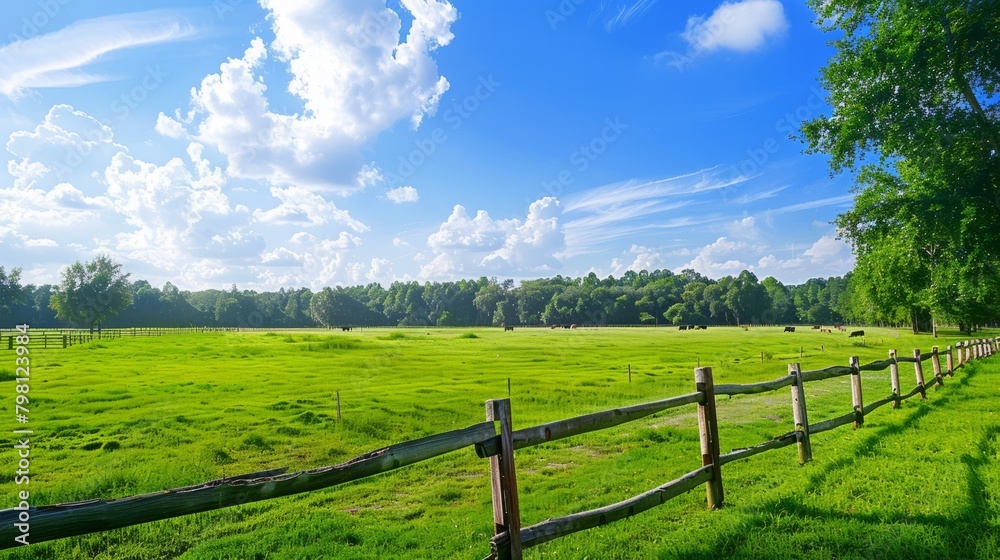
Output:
(67, 144)
(467, 246)
(302, 207)
(640, 258)
(352, 73)
(735, 26)
(719, 258)
(175, 215)
(403, 194)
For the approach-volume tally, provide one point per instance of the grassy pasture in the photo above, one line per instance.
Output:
(121, 417)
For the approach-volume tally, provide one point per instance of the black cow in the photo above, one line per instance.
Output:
(789, 329)
(703, 327)
(345, 329)
(856, 333)
(682, 328)
(505, 329)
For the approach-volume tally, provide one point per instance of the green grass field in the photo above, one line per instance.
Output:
(127, 416)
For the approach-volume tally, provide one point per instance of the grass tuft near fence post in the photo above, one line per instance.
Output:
(708, 425)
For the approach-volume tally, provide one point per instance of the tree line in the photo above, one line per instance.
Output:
(98, 293)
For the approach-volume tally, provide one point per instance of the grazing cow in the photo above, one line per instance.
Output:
(565, 326)
(682, 328)
(506, 328)
(573, 326)
(856, 333)
(815, 327)
(703, 327)
(789, 329)
(555, 326)
(690, 327)
(345, 329)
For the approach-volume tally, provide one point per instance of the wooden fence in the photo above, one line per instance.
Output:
(510, 539)
(64, 338)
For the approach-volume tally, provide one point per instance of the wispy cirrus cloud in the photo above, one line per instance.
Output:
(599, 215)
(57, 59)
(624, 13)
(821, 203)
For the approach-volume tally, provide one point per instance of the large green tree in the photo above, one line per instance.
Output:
(11, 291)
(915, 91)
(92, 291)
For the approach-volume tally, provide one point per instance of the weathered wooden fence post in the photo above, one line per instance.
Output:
(894, 378)
(799, 414)
(950, 362)
(708, 425)
(856, 401)
(968, 352)
(918, 369)
(64, 341)
(506, 511)
(936, 363)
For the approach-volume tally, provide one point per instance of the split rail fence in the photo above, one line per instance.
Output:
(64, 338)
(510, 538)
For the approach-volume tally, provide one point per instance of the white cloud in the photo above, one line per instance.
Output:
(403, 194)
(40, 243)
(466, 246)
(715, 259)
(736, 26)
(353, 76)
(625, 210)
(813, 204)
(170, 127)
(179, 219)
(828, 256)
(55, 59)
(67, 146)
(301, 207)
(282, 257)
(644, 258)
(745, 228)
(397, 242)
(625, 13)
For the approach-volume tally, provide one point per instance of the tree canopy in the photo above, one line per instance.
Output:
(92, 291)
(11, 291)
(916, 115)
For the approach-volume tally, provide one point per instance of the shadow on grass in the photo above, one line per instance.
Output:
(792, 528)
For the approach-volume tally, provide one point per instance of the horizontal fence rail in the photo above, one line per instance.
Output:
(64, 338)
(65, 520)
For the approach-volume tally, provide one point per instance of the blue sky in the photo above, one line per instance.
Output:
(331, 142)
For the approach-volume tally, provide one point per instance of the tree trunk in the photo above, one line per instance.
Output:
(915, 322)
